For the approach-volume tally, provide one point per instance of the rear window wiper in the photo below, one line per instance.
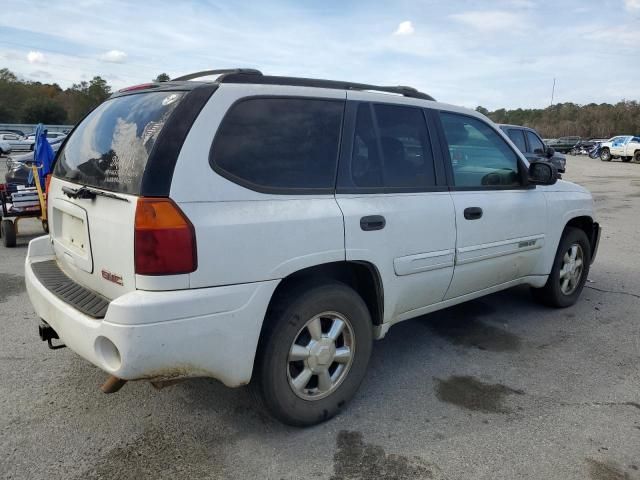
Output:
(85, 192)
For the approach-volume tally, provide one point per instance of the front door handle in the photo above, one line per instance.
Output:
(472, 213)
(372, 222)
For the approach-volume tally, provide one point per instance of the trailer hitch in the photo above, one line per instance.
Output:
(47, 334)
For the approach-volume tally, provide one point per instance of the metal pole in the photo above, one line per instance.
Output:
(553, 90)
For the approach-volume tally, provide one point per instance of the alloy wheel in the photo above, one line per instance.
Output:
(321, 355)
(572, 268)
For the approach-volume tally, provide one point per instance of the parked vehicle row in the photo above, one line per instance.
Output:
(22, 143)
(266, 229)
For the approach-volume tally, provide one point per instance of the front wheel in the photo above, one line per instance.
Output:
(605, 155)
(636, 156)
(569, 272)
(314, 352)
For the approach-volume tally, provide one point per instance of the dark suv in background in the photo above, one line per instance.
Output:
(532, 147)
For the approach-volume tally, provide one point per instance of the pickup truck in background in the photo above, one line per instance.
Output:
(625, 147)
(564, 144)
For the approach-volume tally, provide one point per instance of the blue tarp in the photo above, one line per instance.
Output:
(42, 155)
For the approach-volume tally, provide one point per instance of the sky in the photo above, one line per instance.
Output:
(494, 53)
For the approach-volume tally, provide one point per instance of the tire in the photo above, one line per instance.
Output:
(8, 233)
(553, 294)
(636, 156)
(605, 155)
(287, 326)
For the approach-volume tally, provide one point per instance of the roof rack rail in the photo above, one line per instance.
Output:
(221, 71)
(241, 76)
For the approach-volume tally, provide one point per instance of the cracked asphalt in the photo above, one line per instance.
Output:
(499, 388)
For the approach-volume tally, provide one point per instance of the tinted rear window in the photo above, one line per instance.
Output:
(111, 146)
(280, 144)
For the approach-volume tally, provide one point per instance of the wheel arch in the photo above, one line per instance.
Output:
(587, 225)
(363, 277)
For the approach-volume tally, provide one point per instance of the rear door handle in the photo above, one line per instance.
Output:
(372, 222)
(472, 213)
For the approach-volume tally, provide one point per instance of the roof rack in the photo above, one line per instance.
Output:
(242, 77)
(250, 75)
(221, 71)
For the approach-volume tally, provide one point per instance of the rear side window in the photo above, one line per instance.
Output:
(280, 144)
(535, 143)
(391, 148)
(517, 137)
(111, 146)
(479, 156)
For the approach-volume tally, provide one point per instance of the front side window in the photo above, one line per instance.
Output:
(479, 156)
(280, 143)
(391, 148)
(535, 144)
(517, 137)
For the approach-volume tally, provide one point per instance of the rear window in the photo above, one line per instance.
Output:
(280, 145)
(111, 146)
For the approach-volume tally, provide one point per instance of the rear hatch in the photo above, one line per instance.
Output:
(96, 182)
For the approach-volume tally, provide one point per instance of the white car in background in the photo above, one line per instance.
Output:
(52, 137)
(17, 142)
(5, 147)
(625, 147)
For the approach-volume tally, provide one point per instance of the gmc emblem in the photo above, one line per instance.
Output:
(112, 277)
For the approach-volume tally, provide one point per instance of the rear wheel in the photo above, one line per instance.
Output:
(569, 272)
(605, 155)
(8, 233)
(313, 354)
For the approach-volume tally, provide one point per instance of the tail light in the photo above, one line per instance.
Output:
(165, 240)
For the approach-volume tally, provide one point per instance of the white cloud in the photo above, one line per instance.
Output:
(114, 56)
(490, 21)
(404, 28)
(632, 5)
(35, 57)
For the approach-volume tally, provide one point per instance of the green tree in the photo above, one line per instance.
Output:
(163, 77)
(482, 110)
(43, 110)
(7, 75)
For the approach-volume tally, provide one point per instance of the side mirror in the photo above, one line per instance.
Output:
(550, 152)
(542, 173)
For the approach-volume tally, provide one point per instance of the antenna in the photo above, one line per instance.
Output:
(553, 90)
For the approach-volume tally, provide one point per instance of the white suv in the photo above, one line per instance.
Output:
(267, 229)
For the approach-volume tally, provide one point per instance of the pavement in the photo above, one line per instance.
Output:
(498, 388)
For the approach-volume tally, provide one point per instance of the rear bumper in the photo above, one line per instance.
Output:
(211, 332)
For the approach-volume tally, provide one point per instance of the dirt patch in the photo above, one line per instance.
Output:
(605, 471)
(161, 454)
(460, 325)
(10, 285)
(356, 460)
(472, 394)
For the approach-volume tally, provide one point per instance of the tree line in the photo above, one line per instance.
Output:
(564, 119)
(34, 102)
